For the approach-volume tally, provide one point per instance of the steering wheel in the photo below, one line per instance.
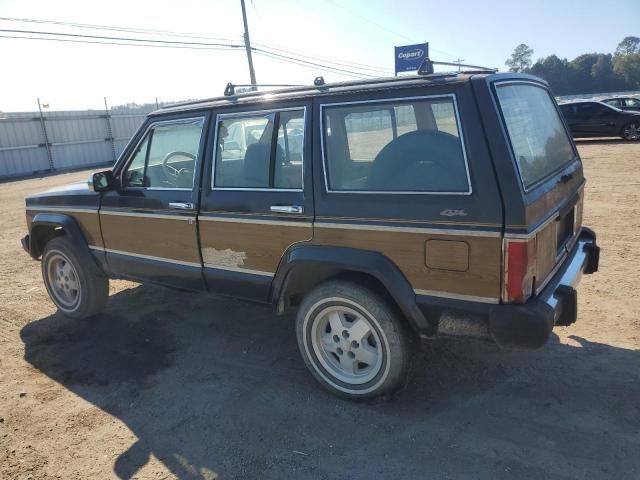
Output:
(172, 173)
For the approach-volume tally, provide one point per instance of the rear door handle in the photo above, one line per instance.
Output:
(181, 205)
(287, 208)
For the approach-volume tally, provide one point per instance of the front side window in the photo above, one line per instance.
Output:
(538, 138)
(407, 146)
(166, 158)
(260, 151)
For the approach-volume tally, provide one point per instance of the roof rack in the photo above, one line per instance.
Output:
(426, 67)
(230, 89)
(319, 83)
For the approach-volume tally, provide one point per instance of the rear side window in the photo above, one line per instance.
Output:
(614, 102)
(403, 146)
(538, 138)
(260, 151)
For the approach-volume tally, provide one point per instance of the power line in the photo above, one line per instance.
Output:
(121, 29)
(344, 63)
(125, 39)
(276, 48)
(288, 59)
(124, 44)
(97, 40)
(382, 27)
(385, 28)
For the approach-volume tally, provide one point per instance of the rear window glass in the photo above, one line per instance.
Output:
(404, 146)
(539, 140)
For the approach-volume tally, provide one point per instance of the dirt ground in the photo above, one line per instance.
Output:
(172, 384)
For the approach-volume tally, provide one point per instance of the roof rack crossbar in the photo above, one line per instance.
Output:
(230, 89)
(426, 68)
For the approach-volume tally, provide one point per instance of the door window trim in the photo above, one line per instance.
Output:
(454, 100)
(132, 153)
(222, 116)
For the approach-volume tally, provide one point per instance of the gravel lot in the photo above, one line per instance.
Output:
(171, 384)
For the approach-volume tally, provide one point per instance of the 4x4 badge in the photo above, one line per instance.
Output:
(453, 213)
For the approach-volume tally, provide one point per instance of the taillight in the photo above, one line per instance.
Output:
(519, 266)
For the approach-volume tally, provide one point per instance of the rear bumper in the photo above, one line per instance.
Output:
(530, 325)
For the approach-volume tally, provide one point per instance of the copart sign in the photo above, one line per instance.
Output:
(410, 57)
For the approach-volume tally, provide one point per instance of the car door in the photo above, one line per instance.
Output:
(149, 222)
(569, 112)
(595, 119)
(257, 196)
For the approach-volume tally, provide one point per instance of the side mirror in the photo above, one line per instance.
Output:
(101, 181)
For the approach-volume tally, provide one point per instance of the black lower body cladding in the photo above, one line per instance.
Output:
(521, 326)
(526, 326)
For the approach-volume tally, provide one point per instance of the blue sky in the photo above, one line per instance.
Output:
(67, 75)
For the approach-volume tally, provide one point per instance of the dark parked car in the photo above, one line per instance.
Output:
(381, 211)
(623, 103)
(597, 119)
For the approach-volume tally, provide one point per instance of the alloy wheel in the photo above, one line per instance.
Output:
(347, 345)
(63, 280)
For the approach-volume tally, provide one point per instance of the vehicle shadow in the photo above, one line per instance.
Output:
(215, 388)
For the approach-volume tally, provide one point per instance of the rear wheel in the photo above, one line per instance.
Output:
(79, 289)
(631, 131)
(352, 340)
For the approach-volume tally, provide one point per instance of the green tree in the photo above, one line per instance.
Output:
(628, 68)
(520, 59)
(628, 46)
(557, 72)
(582, 69)
(604, 78)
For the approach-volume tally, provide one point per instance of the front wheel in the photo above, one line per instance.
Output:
(79, 289)
(631, 131)
(353, 342)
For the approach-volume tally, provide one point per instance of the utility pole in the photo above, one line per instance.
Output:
(459, 61)
(247, 46)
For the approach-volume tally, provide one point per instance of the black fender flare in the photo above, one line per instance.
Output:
(314, 261)
(44, 221)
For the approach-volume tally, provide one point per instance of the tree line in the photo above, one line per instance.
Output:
(587, 73)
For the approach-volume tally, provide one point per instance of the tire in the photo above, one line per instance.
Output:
(78, 288)
(631, 131)
(353, 342)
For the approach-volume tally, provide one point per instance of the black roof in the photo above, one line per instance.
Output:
(330, 88)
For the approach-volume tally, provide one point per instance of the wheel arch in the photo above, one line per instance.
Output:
(303, 267)
(47, 225)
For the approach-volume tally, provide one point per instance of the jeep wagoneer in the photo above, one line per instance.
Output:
(381, 211)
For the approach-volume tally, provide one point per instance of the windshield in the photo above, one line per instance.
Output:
(539, 140)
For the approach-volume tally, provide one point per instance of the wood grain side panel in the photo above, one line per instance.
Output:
(545, 251)
(248, 245)
(407, 251)
(172, 239)
(90, 225)
(447, 255)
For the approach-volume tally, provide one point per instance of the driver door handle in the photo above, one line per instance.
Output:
(181, 205)
(287, 208)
